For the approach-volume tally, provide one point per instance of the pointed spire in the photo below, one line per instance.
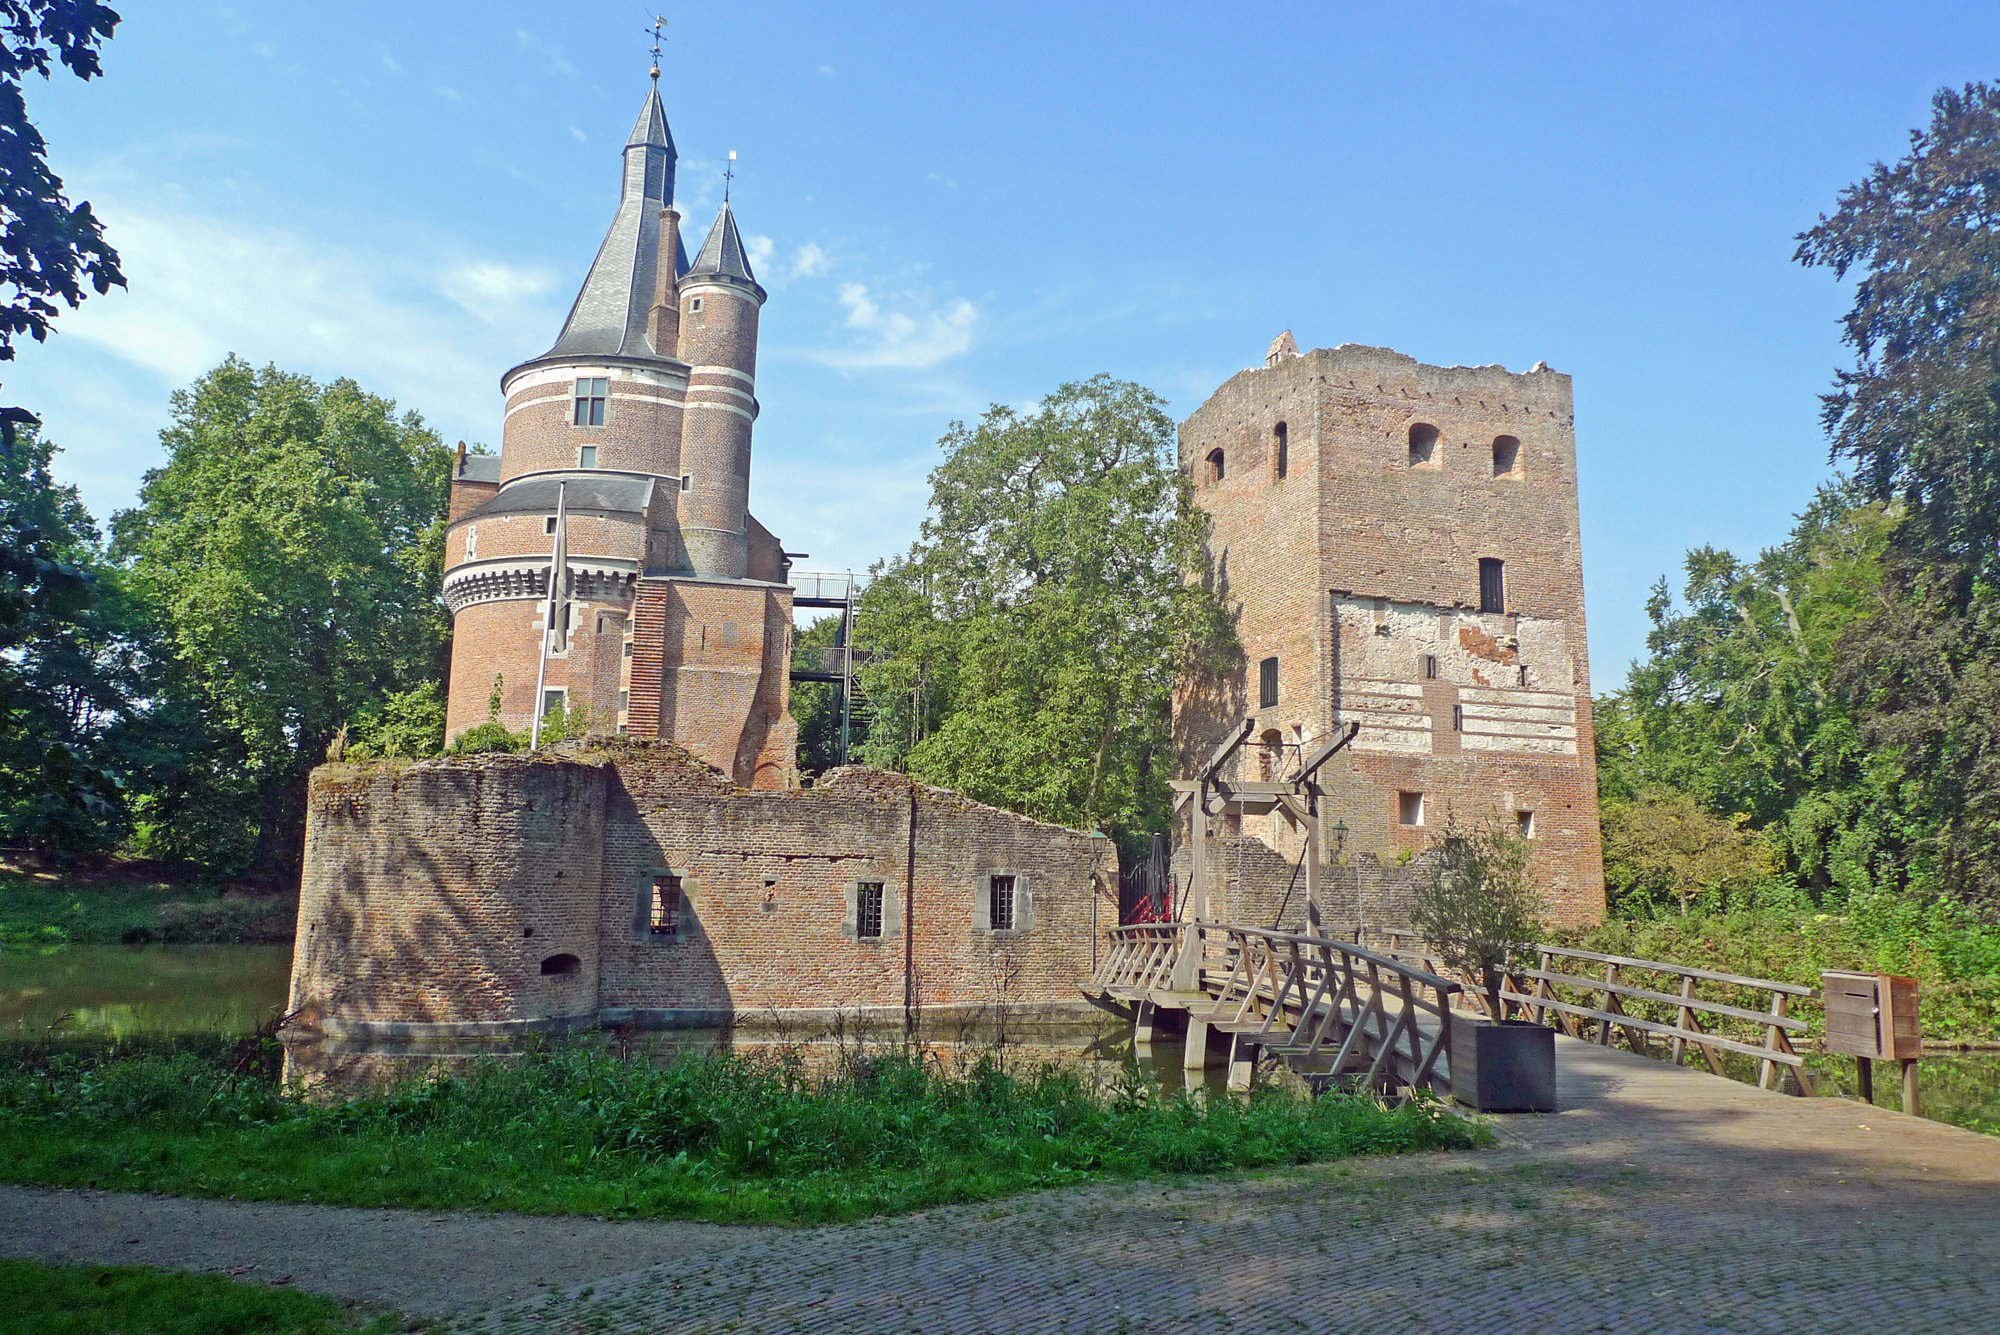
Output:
(722, 255)
(612, 310)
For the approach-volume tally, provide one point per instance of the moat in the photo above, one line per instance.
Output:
(130, 991)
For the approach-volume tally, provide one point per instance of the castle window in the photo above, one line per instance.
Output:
(471, 541)
(1524, 824)
(549, 527)
(628, 648)
(687, 481)
(1280, 452)
(1423, 445)
(1458, 718)
(561, 964)
(624, 701)
(1409, 808)
(1492, 585)
(694, 305)
(1271, 755)
(1215, 468)
(1000, 903)
(1524, 674)
(868, 909)
(1267, 683)
(1430, 667)
(1506, 456)
(587, 457)
(665, 919)
(589, 408)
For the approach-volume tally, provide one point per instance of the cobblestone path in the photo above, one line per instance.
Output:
(1661, 1200)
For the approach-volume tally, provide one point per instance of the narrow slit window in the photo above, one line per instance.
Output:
(1267, 683)
(590, 396)
(587, 457)
(1000, 903)
(666, 914)
(1458, 718)
(1430, 667)
(1409, 808)
(471, 541)
(1492, 585)
(1281, 461)
(1423, 445)
(624, 701)
(868, 909)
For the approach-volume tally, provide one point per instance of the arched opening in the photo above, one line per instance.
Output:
(1271, 755)
(561, 964)
(1506, 456)
(1280, 452)
(1423, 445)
(1215, 464)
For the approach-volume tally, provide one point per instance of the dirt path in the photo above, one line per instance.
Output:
(1661, 1200)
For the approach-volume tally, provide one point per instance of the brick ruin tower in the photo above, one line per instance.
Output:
(1399, 545)
(679, 619)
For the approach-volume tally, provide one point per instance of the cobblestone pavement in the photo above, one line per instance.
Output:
(1661, 1200)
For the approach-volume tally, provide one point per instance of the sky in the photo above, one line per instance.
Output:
(956, 206)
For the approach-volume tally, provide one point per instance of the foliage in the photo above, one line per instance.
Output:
(39, 913)
(40, 1299)
(574, 1129)
(816, 705)
(291, 550)
(1475, 902)
(48, 248)
(407, 723)
(1918, 415)
(1025, 649)
(1663, 846)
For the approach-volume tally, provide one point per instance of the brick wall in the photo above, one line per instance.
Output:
(434, 891)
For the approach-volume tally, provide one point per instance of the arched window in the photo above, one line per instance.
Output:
(561, 964)
(1280, 452)
(1271, 755)
(1423, 445)
(1506, 456)
(1215, 464)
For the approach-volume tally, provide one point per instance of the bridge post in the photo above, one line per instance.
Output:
(1194, 908)
(1195, 1056)
(1142, 1024)
(1242, 1063)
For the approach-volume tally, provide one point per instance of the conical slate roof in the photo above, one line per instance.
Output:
(610, 315)
(722, 254)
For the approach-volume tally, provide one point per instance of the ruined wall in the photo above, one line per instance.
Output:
(434, 892)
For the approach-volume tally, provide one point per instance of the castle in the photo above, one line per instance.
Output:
(677, 621)
(1399, 546)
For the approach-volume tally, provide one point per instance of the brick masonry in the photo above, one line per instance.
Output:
(434, 893)
(1357, 493)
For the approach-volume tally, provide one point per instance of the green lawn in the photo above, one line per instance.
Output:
(131, 1300)
(42, 910)
(576, 1130)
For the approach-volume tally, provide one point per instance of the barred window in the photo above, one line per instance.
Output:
(1492, 585)
(868, 909)
(590, 396)
(666, 917)
(1267, 683)
(1000, 903)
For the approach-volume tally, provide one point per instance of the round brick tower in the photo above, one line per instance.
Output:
(719, 303)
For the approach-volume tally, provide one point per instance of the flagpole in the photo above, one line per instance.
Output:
(558, 558)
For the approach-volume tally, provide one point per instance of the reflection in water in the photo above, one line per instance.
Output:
(123, 991)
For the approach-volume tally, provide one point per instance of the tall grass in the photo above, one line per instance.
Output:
(575, 1129)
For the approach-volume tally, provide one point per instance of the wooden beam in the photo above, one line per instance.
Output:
(1325, 752)
(1225, 749)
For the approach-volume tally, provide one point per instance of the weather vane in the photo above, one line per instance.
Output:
(659, 22)
(728, 175)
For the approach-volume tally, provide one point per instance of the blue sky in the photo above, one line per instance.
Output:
(956, 206)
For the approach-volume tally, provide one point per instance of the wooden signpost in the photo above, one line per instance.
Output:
(1871, 1016)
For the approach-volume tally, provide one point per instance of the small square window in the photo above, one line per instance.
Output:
(1409, 808)
(624, 701)
(1524, 824)
(694, 304)
(588, 409)
(587, 457)
(628, 648)
(868, 909)
(549, 526)
(551, 702)
(687, 481)
(1267, 683)
(1000, 903)
(665, 919)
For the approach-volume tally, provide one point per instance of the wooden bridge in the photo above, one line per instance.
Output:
(1379, 1016)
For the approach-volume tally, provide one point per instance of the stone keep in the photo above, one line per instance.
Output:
(680, 620)
(1399, 546)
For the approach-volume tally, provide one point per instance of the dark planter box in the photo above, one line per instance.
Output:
(1505, 1067)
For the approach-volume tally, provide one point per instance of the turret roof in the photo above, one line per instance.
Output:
(611, 312)
(722, 254)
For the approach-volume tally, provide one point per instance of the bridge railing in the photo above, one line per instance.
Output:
(1594, 996)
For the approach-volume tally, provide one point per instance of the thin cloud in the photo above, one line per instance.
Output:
(809, 261)
(899, 339)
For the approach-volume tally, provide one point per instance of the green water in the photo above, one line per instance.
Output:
(121, 991)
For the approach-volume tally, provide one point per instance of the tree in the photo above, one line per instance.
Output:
(291, 549)
(48, 248)
(1919, 416)
(1476, 905)
(1663, 846)
(1025, 649)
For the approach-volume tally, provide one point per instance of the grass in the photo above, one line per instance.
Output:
(49, 910)
(132, 1300)
(572, 1129)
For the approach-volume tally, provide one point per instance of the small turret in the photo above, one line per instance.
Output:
(719, 303)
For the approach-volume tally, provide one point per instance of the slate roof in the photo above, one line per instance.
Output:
(610, 314)
(479, 468)
(603, 493)
(722, 254)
